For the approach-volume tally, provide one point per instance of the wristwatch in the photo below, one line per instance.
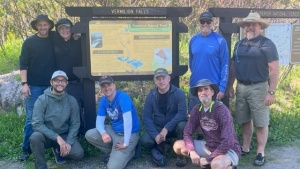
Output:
(23, 83)
(271, 92)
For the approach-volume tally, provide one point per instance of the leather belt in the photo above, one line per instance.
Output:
(248, 82)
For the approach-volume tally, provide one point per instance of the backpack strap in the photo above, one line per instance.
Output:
(261, 42)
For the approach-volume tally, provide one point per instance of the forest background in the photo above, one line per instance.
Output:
(15, 18)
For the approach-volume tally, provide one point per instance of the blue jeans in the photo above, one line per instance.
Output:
(36, 91)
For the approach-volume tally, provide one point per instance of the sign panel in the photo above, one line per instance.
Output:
(280, 34)
(130, 47)
(295, 52)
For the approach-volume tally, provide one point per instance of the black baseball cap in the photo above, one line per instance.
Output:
(105, 79)
(206, 15)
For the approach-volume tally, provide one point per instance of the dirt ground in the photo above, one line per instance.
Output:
(287, 157)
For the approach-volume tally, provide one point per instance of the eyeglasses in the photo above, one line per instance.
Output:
(205, 21)
(63, 81)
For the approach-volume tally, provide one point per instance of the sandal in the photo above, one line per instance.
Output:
(260, 160)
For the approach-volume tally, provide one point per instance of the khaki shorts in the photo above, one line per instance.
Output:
(202, 151)
(250, 104)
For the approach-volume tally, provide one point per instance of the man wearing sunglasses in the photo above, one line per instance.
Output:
(208, 59)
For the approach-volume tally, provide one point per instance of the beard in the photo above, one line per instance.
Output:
(58, 91)
(204, 100)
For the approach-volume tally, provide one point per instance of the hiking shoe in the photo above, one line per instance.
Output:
(58, 159)
(105, 159)
(138, 152)
(180, 161)
(260, 160)
(24, 156)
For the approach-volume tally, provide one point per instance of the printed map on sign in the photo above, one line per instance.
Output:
(127, 47)
(280, 34)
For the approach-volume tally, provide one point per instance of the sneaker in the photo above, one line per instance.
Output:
(25, 155)
(105, 159)
(260, 160)
(58, 159)
(180, 161)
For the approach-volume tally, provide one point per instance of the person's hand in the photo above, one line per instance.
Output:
(106, 138)
(195, 157)
(120, 145)
(231, 92)
(220, 96)
(203, 162)
(64, 147)
(163, 134)
(269, 100)
(76, 36)
(25, 90)
(158, 139)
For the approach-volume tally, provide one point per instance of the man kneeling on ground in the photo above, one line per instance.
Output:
(221, 149)
(55, 122)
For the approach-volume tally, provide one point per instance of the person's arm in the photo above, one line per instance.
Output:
(100, 124)
(180, 116)
(192, 124)
(24, 62)
(127, 117)
(273, 81)
(224, 65)
(231, 79)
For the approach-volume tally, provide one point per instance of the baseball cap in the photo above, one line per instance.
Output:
(105, 79)
(59, 73)
(63, 22)
(206, 15)
(160, 72)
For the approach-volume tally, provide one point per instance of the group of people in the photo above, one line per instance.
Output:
(55, 114)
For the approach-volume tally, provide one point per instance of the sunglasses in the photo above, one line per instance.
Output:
(205, 21)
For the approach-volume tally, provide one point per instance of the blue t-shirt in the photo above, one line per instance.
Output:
(122, 103)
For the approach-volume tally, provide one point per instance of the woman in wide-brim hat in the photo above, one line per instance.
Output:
(253, 17)
(41, 17)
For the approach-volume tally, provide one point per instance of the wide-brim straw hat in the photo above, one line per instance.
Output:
(253, 17)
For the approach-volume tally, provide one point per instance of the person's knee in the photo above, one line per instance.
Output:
(90, 135)
(146, 140)
(36, 137)
(179, 147)
(115, 165)
(221, 161)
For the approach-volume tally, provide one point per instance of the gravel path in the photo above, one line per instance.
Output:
(277, 158)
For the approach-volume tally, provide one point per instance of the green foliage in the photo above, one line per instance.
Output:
(11, 135)
(9, 56)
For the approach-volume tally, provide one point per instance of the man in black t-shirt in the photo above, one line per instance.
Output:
(255, 65)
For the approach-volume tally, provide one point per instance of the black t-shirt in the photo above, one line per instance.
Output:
(163, 101)
(251, 60)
